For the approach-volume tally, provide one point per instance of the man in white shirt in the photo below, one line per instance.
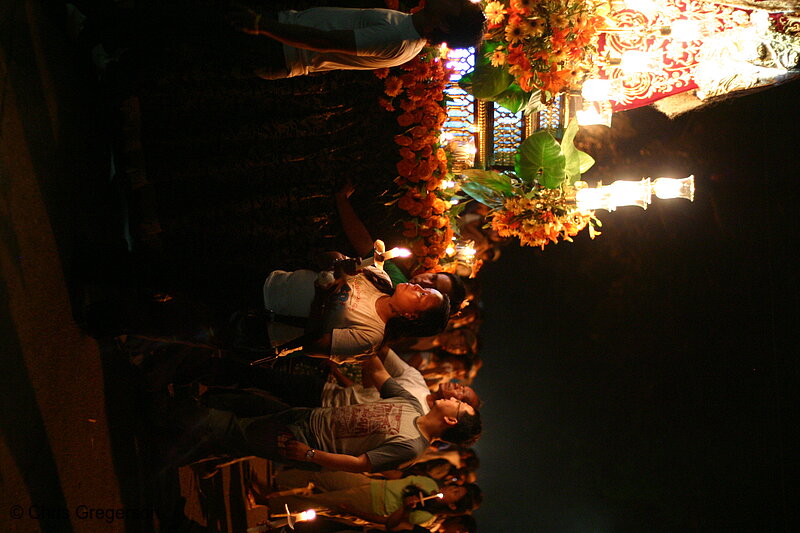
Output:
(328, 38)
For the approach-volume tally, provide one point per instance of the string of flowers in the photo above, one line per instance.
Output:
(416, 89)
(543, 44)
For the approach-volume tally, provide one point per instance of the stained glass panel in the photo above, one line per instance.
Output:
(460, 122)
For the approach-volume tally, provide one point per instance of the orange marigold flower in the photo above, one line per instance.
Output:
(386, 104)
(436, 249)
(420, 173)
(438, 222)
(405, 153)
(405, 167)
(419, 249)
(415, 209)
(430, 262)
(382, 72)
(406, 202)
(393, 86)
(437, 237)
(408, 105)
(402, 140)
(406, 119)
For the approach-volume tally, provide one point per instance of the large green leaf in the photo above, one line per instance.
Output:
(514, 98)
(540, 159)
(499, 183)
(483, 194)
(587, 161)
(466, 82)
(577, 161)
(489, 81)
(534, 102)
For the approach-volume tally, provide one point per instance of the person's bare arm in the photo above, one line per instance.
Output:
(254, 23)
(297, 451)
(374, 372)
(353, 227)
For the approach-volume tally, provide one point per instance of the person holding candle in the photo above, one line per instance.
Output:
(361, 240)
(354, 314)
(397, 504)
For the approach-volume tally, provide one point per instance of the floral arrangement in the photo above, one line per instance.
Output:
(537, 204)
(535, 49)
(542, 216)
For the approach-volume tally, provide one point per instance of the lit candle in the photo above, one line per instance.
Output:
(432, 496)
(385, 256)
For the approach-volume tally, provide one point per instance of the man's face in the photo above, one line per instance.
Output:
(461, 392)
(451, 407)
(433, 280)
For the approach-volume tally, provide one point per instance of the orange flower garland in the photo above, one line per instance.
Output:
(417, 90)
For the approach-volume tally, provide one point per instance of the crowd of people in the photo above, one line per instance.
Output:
(381, 432)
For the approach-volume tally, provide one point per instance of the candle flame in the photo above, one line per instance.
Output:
(402, 252)
(311, 514)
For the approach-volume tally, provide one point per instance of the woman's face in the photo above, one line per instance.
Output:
(411, 299)
(453, 493)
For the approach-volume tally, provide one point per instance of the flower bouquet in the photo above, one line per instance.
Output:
(537, 205)
(533, 50)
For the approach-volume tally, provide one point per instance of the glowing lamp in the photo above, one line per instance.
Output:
(666, 188)
(596, 90)
(617, 194)
(594, 114)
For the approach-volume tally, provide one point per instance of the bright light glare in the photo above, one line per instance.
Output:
(666, 188)
(311, 514)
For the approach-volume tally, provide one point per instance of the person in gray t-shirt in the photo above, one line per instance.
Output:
(374, 437)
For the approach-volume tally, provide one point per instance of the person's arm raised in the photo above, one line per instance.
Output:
(336, 41)
(353, 227)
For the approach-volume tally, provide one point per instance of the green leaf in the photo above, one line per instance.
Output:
(488, 81)
(577, 161)
(540, 159)
(466, 82)
(499, 183)
(534, 102)
(587, 161)
(514, 98)
(483, 194)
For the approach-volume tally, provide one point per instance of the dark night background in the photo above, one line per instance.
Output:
(641, 382)
(645, 381)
